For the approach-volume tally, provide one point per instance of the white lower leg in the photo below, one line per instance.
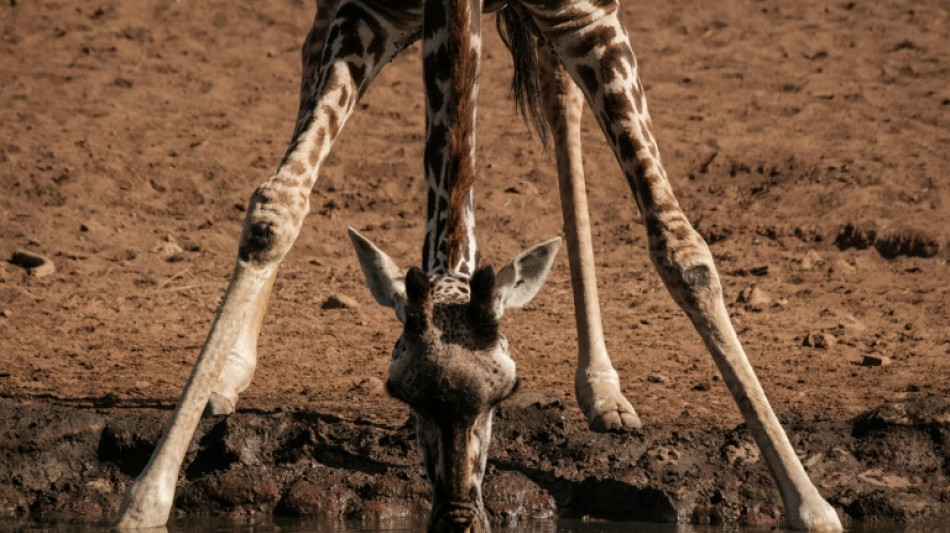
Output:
(242, 360)
(804, 507)
(149, 500)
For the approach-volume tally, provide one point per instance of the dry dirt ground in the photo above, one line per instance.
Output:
(806, 140)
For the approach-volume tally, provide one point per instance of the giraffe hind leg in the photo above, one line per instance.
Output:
(593, 47)
(596, 383)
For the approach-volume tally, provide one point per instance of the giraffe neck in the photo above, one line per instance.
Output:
(451, 49)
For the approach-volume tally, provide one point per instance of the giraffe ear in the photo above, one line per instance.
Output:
(386, 280)
(518, 282)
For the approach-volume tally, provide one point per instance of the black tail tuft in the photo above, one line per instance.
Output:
(526, 84)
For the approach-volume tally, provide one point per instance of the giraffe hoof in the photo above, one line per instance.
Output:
(218, 405)
(604, 405)
(814, 514)
(616, 420)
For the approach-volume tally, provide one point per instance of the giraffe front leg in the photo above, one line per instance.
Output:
(242, 359)
(594, 48)
(360, 41)
(596, 383)
(241, 363)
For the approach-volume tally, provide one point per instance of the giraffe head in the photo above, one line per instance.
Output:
(451, 365)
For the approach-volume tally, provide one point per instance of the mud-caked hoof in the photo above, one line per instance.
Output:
(605, 407)
(817, 515)
(218, 405)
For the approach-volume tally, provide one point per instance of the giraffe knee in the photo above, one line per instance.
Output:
(698, 278)
(268, 234)
(692, 279)
(258, 241)
(700, 284)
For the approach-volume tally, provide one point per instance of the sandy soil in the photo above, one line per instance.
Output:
(134, 132)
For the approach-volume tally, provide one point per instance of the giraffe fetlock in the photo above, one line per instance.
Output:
(603, 404)
(235, 378)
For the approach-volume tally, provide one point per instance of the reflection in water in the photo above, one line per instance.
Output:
(284, 525)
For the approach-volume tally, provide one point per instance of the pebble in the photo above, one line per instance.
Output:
(369, 384)
(754, 297)
(822, 341)
(842, 267)
(168, 249)
(876, 360)
(5, 313)
(340, 301)
(37, 265)
(810, 260)
(657, 378)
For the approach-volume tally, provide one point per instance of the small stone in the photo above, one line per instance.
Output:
(810, 260)
(6, 313)
(657, 378)
(822, 341)
(368, 385)
(703, 386)
(842, 267)
(876, 360)
(168, 249)
(754, 297)
(36, 265)
(524, 187)
(340, 301)
(848, 321)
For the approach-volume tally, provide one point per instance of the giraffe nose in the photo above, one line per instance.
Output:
(458, 517)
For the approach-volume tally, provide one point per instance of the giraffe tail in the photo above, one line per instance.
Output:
(526, 83)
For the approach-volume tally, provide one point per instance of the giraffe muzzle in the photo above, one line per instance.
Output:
(458, 517)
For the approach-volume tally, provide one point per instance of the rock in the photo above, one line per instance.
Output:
(368, 385)
(6, 313)
(523, 187)
(36, 265)
(810, 260)
(168, 249)
(754, 298)
(743, 453)
(876, 360)
(822, 341)
(340, 301)
(657, 378)
(848, 321)
(842, 268)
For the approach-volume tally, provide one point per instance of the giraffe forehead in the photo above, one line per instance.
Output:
(449, 290)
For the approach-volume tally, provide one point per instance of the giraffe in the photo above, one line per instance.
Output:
(584, 55)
